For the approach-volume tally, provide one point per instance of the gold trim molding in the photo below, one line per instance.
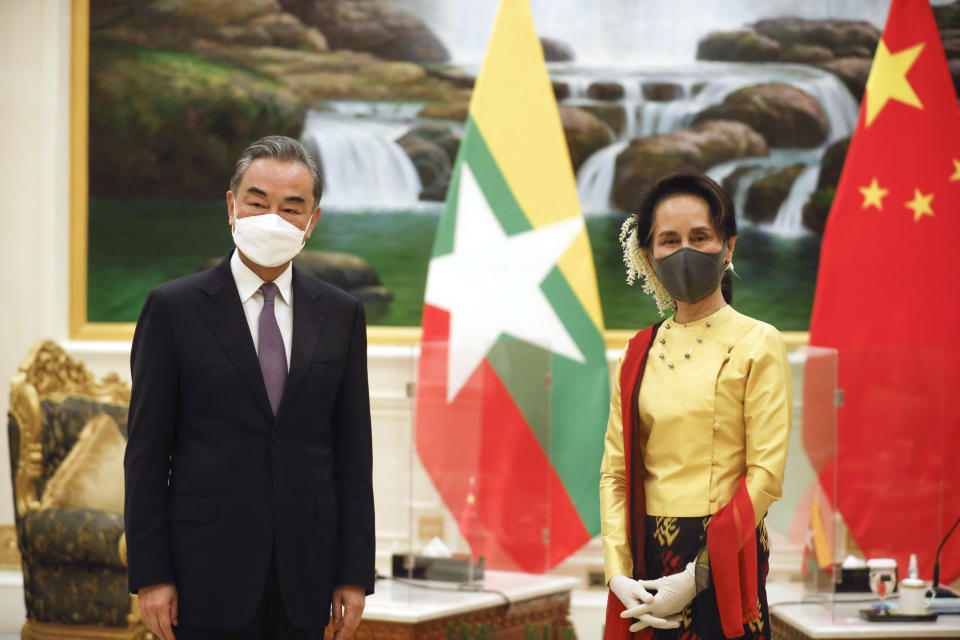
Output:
(80, 329)
(395, 336)
(79, 161)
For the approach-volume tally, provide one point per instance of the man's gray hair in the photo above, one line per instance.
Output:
(279, 148)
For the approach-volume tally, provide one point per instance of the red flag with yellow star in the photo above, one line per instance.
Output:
(888, 298)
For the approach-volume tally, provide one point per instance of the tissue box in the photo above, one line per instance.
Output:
(456, 569)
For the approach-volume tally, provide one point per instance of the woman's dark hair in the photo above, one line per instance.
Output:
(723, 217)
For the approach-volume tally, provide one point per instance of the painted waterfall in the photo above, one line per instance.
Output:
(378, 95)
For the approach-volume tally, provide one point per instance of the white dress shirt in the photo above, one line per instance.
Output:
(248, 286)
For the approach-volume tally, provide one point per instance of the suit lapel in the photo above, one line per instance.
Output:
(308, 320)
(221, 307)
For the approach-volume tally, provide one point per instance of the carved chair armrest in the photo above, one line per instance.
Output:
(74, 536)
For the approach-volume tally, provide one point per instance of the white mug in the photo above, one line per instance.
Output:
(913, 596)
(882, 576)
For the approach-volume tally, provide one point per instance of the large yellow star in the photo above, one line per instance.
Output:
(956, 170)
(873, 195)
(920, 205)
(888, 79)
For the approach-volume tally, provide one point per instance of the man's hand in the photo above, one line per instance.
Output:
(636, 599)
(158, 609)
(347, 606)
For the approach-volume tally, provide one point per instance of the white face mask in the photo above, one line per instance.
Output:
(267, 239)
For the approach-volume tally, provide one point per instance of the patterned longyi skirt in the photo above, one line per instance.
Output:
(672, 543)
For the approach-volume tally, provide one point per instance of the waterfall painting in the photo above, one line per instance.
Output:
(762, 95)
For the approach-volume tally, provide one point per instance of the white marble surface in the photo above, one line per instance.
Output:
(419, 600)
(819, 616)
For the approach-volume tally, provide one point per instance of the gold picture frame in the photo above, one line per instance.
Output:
(80, 328)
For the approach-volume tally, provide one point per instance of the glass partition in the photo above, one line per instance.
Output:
(391, 385)
(893, 475)
(823, 544)
(868, 481)
(480, 491)
(804, 530)
(868, 474)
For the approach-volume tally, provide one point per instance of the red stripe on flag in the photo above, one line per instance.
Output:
(482, 434)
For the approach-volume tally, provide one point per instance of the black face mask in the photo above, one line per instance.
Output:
(690, 275)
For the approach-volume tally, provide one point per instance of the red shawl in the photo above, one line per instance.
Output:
(732, 546)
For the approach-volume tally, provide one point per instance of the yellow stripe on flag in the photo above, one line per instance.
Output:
(820, 545)
(514, 108)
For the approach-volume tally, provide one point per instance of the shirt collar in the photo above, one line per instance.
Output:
(248, 283)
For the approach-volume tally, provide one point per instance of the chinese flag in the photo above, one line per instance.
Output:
(888, 299)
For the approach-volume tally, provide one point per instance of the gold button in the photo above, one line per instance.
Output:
(713, 499)
(716, 425)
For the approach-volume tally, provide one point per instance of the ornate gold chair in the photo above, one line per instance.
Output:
(64, 442)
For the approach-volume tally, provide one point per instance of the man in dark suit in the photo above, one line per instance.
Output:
(249, 502)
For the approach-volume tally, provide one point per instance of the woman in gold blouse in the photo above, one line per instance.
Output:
(706, 402)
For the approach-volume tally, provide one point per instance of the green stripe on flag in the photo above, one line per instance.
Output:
(580, 403)
(474, 151)
(443, 241)
(491, 181)
(523, 368)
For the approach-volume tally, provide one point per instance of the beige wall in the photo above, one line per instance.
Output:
(34, 110)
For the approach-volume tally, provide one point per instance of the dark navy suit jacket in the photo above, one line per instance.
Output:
(214, 481)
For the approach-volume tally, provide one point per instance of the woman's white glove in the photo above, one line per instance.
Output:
(674, 592)
(635, 597)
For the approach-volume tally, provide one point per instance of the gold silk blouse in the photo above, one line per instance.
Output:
(722, 411)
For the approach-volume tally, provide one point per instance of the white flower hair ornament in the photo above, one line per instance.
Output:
(638, 267)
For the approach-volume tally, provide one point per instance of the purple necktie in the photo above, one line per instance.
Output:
(270, 351)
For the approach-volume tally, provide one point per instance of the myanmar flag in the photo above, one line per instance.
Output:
(513, 387)
(887, 299)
